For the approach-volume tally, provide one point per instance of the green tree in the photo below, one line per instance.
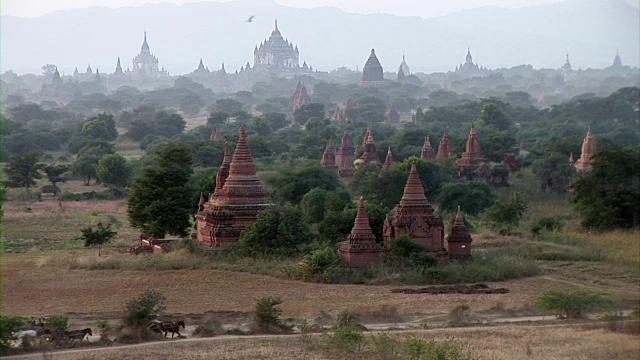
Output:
(168, 124)
(113, 170)
(473, 197)
(554, 172)
(88, 159)
(138, 311)
(55, 173)
(58, 325)
(278, 231)
(160, 198)
(217, 118)
(276, 120)
(101, 235)
(302, 114)
(102, 127)
(492, 116)
(508, 213)
(572, 305)
(607, 196)
(290, 183)
(23, 170)
(266, 316)
(260, 125)
(228, 106)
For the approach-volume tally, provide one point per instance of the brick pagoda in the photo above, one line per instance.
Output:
(236, 201)
(360, 249)
(427, 150)
(444, 148)
(328, 157)
(414, 217)
(459, 240)
(370, 154)
(300, 97)
(388, 160)
(416, 118)
(584, 163)
(344, 155)
(392, 116)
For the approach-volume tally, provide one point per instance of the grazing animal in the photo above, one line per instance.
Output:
(156, 327)
(172, 327)
(19, 335)
(78, 334)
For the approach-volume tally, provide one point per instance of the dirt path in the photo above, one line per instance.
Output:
(520, 322)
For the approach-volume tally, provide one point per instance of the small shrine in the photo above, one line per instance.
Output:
(360, 249)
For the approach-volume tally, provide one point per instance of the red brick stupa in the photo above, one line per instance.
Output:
(388, 160)
(427, 150)
(235, 205)
(414, 217)
(215, 136)
(223, 172)
(328, 157)
(344, 155)
(300, 97)
(584, 163)
(370, 154)
(360, 249)
(444, 148)
(473, 154)
(392, 116)
(459, 240)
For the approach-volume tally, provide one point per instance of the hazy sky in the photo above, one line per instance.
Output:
(423, 8)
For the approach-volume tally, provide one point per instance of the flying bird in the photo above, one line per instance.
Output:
(250, 19)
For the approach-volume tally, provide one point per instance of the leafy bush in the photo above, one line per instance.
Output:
(266, 316)
(58, 325)
(98, 237)
(420, 349)
(347, 338)
(322, 265)
(208, 327)
(507, 215)
(473, 197)
(9, 325)
(139, 310)
(548, 223)
(572, 305)
(403, 252)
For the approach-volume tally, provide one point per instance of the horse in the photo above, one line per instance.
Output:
(156, 327)
(78, 334)
(172, 327)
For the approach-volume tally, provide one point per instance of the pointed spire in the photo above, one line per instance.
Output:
(201, 202)
(427, 149)
(388, 160)
(571, 159)
(459, 220)
(413, 190)
(361, 225)
(276, 26)
(242, 161)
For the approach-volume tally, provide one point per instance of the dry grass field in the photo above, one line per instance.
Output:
(495, 343)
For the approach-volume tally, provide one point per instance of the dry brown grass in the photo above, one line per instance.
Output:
(621, 245)
(46, 221)
(496, 343)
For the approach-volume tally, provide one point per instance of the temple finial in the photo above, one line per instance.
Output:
(276, 27)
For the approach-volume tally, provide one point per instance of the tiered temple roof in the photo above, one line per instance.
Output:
(427, 149)
(300, 97)
(344, 155)
(414, 217)
(360, 248)
(235, 204)
(473, 155)
(145, 63)
(370, 154)
(444, 148)
(589, 148)
(277, 54)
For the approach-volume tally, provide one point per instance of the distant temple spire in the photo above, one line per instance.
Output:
(388, 160)
(276, 26)
(617, 62)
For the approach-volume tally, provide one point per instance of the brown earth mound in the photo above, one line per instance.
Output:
(453, 289)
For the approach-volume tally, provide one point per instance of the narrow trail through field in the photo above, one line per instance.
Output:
(505, 322)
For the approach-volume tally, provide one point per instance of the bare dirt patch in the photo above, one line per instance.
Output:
(453, 289)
